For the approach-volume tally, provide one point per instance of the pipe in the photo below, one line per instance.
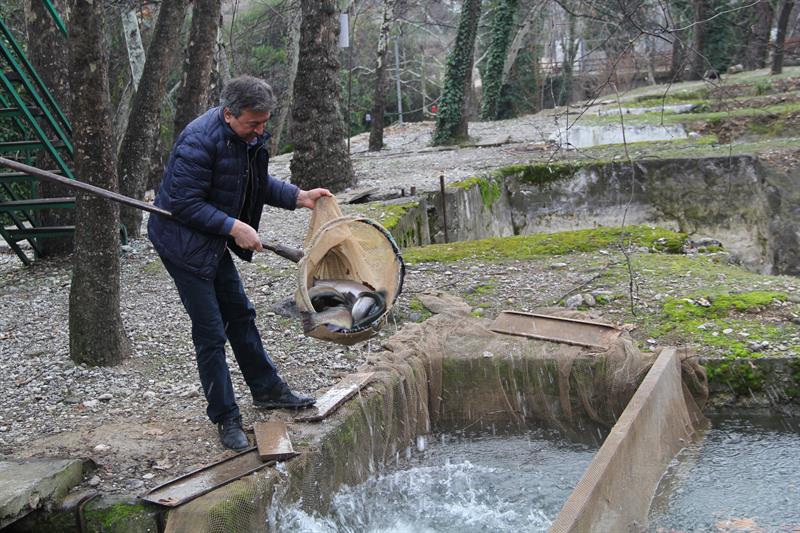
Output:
(287, 252)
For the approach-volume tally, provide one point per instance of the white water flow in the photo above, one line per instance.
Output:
(454, 484)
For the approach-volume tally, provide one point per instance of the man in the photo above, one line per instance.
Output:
(216, 184)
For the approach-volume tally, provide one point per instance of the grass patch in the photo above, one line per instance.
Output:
(541, 173)
(387, 215)
(542, 245)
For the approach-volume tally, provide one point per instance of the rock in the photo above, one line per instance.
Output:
(727, 331)
(589, 300)
(95, 481)
(105, 397)
(574, 301)
(101, 448)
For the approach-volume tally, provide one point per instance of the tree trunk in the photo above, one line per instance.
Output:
(517, 44)
(96, 335)
(318, 133)
(144, 125)
(780, 39)
(698, 38)
(54, 71)
(493, 78)
(451, 124)
(379, 94)
(758, 50)
(296, 19)
(198, 63)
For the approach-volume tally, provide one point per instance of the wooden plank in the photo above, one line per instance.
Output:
(556, 329)
(189, 486)
(272, 439)
(336, 396)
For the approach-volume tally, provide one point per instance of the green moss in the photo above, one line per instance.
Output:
(153, 267)
(118, 517)
(387, 215)
(542, 245)
(719, 305)
(672, 97)
(741, 376)
(541, 173)
(490, 189)
(417, 306)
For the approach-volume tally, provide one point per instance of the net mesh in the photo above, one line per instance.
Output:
(350, 248)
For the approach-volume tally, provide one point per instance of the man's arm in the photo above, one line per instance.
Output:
(247, 238)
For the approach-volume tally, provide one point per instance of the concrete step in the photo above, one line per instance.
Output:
(27, 485)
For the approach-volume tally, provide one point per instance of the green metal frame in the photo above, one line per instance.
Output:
(23, 98)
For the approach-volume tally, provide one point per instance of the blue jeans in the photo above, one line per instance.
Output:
(220, 310)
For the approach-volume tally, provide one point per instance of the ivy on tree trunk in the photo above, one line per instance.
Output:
(502, 28)
(320, 152)
(96, 335)
(451, 124)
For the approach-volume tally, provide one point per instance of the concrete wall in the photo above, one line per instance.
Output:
(754, 212)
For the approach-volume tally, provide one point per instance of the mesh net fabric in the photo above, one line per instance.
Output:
(352, 248)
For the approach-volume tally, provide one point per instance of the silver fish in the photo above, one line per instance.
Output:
(335, 318)
(324, 296)
(368, 307)
(347, 287)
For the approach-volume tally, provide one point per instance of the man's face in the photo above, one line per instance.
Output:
(248, 125)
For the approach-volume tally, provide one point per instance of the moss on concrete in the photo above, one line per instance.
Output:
(542, 245)
(542, 173)
(489, 188)
(387, 215)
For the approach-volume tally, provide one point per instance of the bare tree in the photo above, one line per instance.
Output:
(320, 153)
(379, 94)
(54, 72)
(96, 334)
(780, 39)
(197, 64)
(293, 53)
(139, 142)
(698, 38)
(758, 50)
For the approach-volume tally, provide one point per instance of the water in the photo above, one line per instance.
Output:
(586, 136)
(478, 485)
(745, 476)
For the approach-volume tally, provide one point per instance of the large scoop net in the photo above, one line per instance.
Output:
(347, 248)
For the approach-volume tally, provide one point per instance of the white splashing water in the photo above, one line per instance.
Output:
(498, 484)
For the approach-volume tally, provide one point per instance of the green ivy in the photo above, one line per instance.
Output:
(502, 30)
(459, 67)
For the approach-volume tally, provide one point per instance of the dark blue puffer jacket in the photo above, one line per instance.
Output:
(204, 189)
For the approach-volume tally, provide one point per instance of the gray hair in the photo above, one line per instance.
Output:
(247, 92)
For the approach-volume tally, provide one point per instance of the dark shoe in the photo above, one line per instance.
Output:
(232, 435)
(281, 397)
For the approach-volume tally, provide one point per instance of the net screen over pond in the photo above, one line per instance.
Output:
(455, 484)
(744, 476)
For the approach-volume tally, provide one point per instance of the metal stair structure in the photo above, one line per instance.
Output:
(33, 128)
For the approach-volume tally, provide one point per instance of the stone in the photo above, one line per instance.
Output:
(28, 484)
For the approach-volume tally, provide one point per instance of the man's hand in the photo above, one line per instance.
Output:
(309, 198)
(245, 236)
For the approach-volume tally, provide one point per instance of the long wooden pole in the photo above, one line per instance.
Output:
(292, 254)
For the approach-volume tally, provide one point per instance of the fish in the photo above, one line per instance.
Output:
(347, 287)
(368, 307)
(335, 318)
(324, 296)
